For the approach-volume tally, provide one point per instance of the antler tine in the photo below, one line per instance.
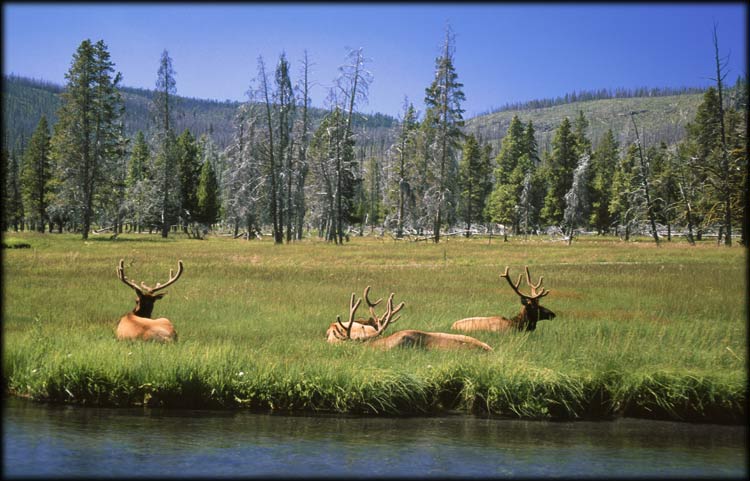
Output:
(513, 286)
(172, 279)
(534, 287)
(528, 280)
(390, 311)
(367, 299)
(121, 276)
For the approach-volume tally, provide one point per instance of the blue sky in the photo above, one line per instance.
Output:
(504, 52)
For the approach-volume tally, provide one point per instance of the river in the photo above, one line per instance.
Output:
(70, 441)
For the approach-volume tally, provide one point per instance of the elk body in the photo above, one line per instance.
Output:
(138, 324)
(531, 311)
(369, 330)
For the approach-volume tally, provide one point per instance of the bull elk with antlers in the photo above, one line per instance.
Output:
(531, 311)
(138, 324)
(369, 330)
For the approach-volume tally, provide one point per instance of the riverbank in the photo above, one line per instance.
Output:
(640, 331)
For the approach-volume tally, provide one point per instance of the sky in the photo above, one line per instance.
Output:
(504, 52)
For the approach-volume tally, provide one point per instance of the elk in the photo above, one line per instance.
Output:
(138, 324)
(369, 330)
(531, 311)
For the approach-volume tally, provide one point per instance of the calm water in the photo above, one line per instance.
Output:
(61, 441)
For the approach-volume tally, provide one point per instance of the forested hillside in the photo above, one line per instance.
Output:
(661, 119)
(26, 100)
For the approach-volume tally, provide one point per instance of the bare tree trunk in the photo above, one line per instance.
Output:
(724, 157)
(644, 180)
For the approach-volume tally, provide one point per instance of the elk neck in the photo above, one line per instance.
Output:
(144, 306)
(524, 320)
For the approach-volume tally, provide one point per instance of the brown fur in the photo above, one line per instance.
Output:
(132, 326)
(138, 323)
(531, 312)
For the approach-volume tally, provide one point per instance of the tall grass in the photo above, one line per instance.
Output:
(640, 330)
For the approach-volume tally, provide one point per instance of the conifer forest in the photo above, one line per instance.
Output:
(95, 157)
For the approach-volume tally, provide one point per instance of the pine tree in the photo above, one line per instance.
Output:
(139, 185)
(188, 173)
(580, 127)
(404, 170)
(138, 167)
(286, 113)
(88, 143)
(443, 97)
(13, 199)
(166, 159)
(36, 175)
(562, 162)
(512, 147)
(207, 197)
(603, 164)
(472, 182)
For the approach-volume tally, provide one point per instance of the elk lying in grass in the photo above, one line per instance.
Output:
(138, 324)
(531, 311)
(369, 330)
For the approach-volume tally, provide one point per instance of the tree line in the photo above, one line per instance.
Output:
(284, 175)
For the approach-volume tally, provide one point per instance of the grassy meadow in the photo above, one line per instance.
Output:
(646, 331)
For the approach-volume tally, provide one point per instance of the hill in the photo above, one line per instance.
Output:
(26, 100)
(659, 119)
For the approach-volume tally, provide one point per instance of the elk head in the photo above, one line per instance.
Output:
(138, 323)
(531, 311)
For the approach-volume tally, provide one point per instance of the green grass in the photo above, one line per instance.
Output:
(640, 330)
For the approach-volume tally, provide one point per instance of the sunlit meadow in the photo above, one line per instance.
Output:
(641, 330)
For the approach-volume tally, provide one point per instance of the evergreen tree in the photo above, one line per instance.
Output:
(138, 167)
(472, 182)
(530, 145)
(580, 127)
(88, 142)
(36, 175)
(166, 159)
(443, 97)
(562, 162)
(286, 113)
(207, 197)
(13, 199)
(140, 188)
(512, 147)
(406, 152)
(516, 163)
(603, 164)
(188, 173)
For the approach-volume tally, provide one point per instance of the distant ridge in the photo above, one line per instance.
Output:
(662, 115)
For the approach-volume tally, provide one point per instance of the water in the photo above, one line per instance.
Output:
(66, 441)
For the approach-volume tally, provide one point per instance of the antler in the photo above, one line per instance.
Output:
(143, 287)
(121, 276)
(172, 279)
(380, 322)
(352, 309)
(371, 305)
(388, 316)
(534, 287)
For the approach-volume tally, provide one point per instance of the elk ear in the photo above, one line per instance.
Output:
(159, 296)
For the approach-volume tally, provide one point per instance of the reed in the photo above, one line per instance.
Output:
(640, 330)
